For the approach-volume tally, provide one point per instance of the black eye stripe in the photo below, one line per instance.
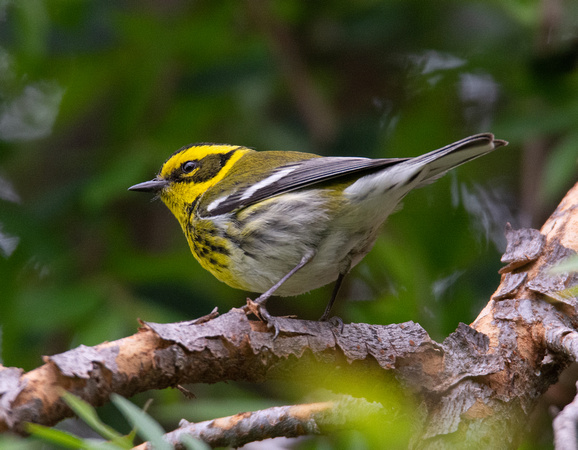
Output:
(226, 156)
(207, 168)
(210, 166)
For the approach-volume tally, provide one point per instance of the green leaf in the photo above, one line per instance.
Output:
(88, 414)
(93, 444)
(191, 443)
(55, 436)
(64, 439)
(146, 426)
(560, 167)
(568, 265)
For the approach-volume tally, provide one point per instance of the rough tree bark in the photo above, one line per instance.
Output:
(476, 388)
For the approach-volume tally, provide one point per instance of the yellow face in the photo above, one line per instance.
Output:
(192, 170)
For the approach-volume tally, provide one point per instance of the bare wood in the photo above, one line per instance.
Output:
(229, 347)
(479, 385)
(526, 321)
(565, 430)
(281, 421)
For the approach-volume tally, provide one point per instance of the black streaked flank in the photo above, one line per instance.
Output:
(232, 239)
(219, 249)
(217, 264)
(191, 206)
(252, 215)
(263, 238)
(280, 224)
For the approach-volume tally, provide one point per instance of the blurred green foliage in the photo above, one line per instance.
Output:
(95, 95)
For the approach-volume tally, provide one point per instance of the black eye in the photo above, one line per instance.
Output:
(189, 166)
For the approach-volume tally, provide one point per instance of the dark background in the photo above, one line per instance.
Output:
(95, 95)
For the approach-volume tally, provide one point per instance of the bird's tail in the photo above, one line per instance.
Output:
(440, 161)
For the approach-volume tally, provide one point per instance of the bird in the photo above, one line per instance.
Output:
(286, 222)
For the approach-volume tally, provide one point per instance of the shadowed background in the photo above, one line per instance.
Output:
(94, 96)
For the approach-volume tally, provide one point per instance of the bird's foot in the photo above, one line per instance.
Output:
(334, 321)
(258, 309)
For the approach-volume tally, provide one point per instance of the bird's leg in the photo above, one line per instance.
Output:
(336, 287)
(260, 302)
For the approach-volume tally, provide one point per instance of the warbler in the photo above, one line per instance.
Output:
(283, 222)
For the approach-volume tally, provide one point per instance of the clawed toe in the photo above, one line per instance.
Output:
(336, 322)
(272, 322)
(259, 310)
(252, 308)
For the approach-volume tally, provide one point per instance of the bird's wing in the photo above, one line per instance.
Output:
(270, 174)
(285, 178)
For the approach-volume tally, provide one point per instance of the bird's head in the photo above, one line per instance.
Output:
(188, 173)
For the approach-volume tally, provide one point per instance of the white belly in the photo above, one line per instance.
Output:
(341, 236)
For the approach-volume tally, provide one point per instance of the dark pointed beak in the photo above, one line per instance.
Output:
(154, 185)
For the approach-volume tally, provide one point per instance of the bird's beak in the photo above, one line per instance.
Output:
(154, 185)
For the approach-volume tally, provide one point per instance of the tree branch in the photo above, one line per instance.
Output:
(281, 421)
(479, 385)
(525, 322)
(565, 427)
(229, 347)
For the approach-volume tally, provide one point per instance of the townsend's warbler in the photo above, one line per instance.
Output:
(287, 222)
